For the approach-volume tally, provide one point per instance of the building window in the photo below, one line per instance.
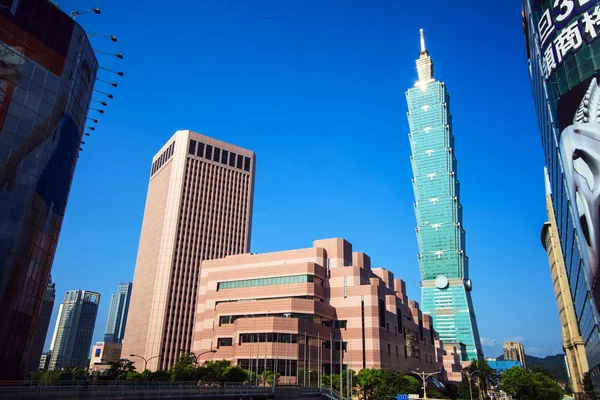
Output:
(341, 324)
(224, 157)
(381, 313)
(397, 352)
(224, 342)
(387, 327)
(246, 164)
(217, 155)
(192, 149)
(232, 156)
(200, 149)
(280, 280)
(208, 154)
(389, 350)
(240, 161)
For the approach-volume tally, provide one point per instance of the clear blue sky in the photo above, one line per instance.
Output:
(317, 91)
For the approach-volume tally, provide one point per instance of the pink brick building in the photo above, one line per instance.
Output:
(283, 310)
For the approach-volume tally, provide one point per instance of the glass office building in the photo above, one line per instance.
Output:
(564, 62)
(47, 75)
(445, 286)
(117, 315)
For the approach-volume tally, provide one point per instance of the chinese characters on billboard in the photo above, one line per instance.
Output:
(568, 32)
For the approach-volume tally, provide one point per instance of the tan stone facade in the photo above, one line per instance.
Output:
(283, 310)
(514, 351)
(572, 340)
(104, 353)
(199, 207)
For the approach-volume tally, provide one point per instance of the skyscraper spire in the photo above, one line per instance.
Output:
(424, 65)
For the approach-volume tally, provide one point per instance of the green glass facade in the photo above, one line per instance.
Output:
(445, 287)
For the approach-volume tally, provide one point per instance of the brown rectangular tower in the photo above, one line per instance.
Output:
(199, 207)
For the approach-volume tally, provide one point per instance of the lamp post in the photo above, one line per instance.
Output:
(145, 360)
(469, 375)
(196, 357)
(95, 10)
(424, 376)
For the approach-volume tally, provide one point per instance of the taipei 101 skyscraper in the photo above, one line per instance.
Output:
(445, 283)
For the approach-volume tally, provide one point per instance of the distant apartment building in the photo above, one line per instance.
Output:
(199, 207)
(104, 353)
(319, 309)
(117, 315)
(514, 351)
(44, 362)
(41, 330)
(572, 342)
(72, 337)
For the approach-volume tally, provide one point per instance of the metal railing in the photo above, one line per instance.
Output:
(114, 389)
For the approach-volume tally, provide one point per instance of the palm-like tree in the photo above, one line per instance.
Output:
(484, 376)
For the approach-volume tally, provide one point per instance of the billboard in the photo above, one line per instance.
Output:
(568, 32)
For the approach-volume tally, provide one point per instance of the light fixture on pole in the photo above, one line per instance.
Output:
(101, 102)
(118, 55)
(198, 356)
(91, 128)
(87, 134)
(469, 375)
(95, 10)
(98, 110)
(424, 376)
(145, 359)
(113, 84)
(112, 37)
(110, 70)
(93, 120)
(110, 96)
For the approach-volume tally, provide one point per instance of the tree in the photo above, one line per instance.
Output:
(530, 385)
(464, 392)
(368, 380)
(160, 376)
(485, 375)
(212, 371)
(588, 386)
(184, 368)
(49, 378)
(234, 374)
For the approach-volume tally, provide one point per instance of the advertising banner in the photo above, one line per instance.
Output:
(568, 32)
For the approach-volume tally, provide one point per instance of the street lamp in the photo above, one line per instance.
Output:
(95, 10)
(145, 360)
(113, 84)
(118, 55)
(469, 375)
(424, 376)
(196, 357)
(110, 70)
(112, 37)
(110, 96)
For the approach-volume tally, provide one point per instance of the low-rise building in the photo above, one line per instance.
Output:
(321, 309)
(103, 353)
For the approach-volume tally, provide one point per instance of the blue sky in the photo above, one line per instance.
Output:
(316, 90)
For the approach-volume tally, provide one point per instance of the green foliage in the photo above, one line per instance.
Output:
(530, 385)
(464, 392)
(434, 394)
(588, 386)
(212, 371)
(49, 378)
(184, 368)
(79, 372)
(381, 384)
(160, 375)
(234, 374)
